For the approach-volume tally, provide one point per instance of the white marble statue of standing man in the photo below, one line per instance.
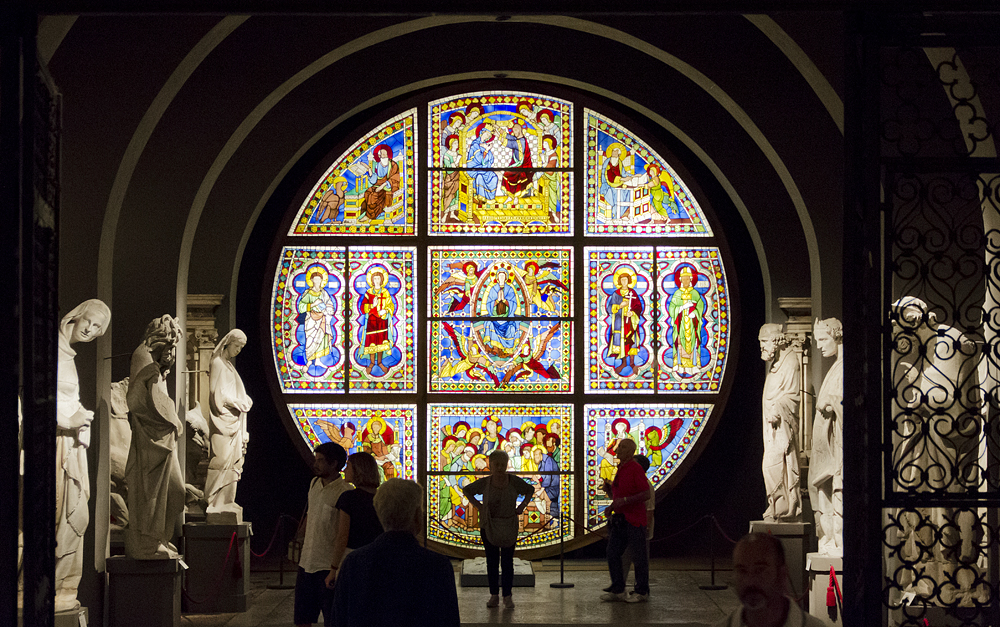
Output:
(780, 405)
(155, 486)
(826, 468)
(228, 430)
(85, 323)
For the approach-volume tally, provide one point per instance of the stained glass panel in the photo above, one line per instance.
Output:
(370, 189)
(471, 356)
(383, 319)
(663, 433)
(631, 190)
(619, 305)
(694, 319)
(500, 282)
(499, 164)
(307, 319)
(388, 432)
(538, 440)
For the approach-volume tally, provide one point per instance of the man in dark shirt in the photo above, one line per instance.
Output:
(629, 493)
(393, 580)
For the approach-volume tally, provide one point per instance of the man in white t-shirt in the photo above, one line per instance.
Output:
(759, 576)
(320, 523)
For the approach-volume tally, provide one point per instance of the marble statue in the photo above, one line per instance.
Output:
(826, 468)
(155, 486)
(780, 405)
(120, 439)
(85, 323)
(196, 462)
(228, 428)
(936, 435)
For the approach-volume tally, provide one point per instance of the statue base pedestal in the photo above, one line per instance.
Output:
(818, 566)
(144, 592)
(794, 537)
(474, 574)
(218, 574)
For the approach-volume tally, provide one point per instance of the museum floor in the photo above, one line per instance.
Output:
(675, 599)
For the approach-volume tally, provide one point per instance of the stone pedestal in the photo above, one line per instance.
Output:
(794, 537)
(818, 567)
(218, 574)
(144, 592)
(474, 574)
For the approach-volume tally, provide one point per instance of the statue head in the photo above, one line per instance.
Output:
(230, 345)
(771, 338)
(162, 335)
(86, 322)
(829, 335)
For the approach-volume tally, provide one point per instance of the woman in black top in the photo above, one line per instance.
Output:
(358, 524)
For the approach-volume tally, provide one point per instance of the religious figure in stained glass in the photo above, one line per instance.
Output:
(378, 308)
(631, 189)
(513, 179)
(316, 312)
(384, 319)
(686, 333)
(625, 332)
(369, 189)
(494, 298)
(383, 182)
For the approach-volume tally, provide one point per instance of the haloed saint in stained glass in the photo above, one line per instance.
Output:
(539, 443)
(620, 310)
(500, 164)
(663, 433)
(388, 432)
(307, 319)
(383, 320)
(500, 319)
(694, 318)
(369, 189)
(631, 190)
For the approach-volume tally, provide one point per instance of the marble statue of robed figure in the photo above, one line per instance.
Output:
(228, 431)
(826, 467)
(780, 408)
(85, 323)
(155, 485)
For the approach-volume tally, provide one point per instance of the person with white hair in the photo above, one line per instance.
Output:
(393, 580)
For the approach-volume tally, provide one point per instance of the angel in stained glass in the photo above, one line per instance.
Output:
(657, 439)
(542, 285)
(527, 361)
(463, 278)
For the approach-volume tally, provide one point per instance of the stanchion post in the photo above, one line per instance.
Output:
(711, 551)
(281, 585)
(562, 556)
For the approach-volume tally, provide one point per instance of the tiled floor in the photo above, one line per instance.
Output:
(675, 599)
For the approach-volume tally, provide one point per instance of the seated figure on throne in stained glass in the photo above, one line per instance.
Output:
(621, 187)
(501, 302)
(383, 182)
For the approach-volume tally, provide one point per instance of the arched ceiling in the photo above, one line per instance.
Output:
(176, 130)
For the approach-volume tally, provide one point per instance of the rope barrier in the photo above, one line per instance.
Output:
(723, 533)
(218, 580)
(274, 536)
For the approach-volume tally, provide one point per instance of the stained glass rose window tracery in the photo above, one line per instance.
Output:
(650, 320)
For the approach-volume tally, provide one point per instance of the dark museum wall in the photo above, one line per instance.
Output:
(186, 139)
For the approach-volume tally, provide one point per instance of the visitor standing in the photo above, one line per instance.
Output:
(358, 524)
(499, 513)
(650, 512)
(627, 512)
(320, 524)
